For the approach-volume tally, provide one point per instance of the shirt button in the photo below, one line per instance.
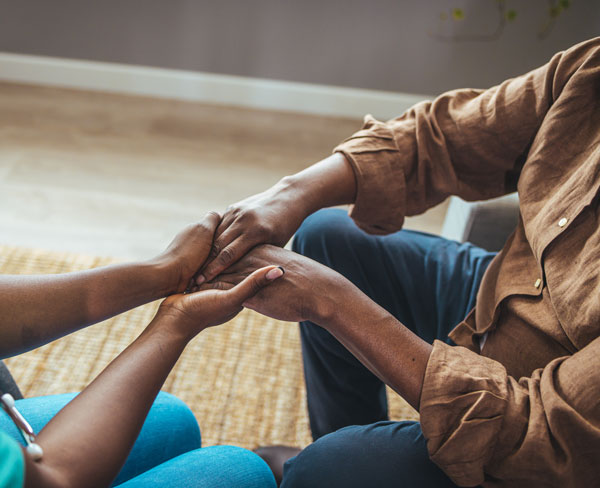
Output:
(562, 222)
(538, 282)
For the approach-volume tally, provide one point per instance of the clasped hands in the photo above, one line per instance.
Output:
(235, 261)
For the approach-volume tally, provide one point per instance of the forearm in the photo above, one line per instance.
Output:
(327, 183)
(35, 310)
(88, 441)
(386, 347)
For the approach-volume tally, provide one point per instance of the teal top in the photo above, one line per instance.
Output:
(12, 463)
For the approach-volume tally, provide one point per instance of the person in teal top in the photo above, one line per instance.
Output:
(12, 466)
(120, 431)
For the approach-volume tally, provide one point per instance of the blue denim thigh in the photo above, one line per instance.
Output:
(383, 454)
(427, 282)
(209, 467)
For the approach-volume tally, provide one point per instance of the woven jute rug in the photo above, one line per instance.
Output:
(243, 380)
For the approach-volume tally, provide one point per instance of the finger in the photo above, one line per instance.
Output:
(211, 222)
(222, 241)
(219, 242)
(226, 221)
(226, 257)
(254, 283)
(216, 285)
(226, 278)
(208, 225)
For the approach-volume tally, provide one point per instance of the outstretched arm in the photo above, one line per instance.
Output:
(88, 441)
(35, 310)
(470, 143)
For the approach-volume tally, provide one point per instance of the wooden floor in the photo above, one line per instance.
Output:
(114, 175)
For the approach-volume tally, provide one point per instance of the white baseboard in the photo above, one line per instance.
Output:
(204, 87)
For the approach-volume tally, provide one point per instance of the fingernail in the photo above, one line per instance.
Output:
(275, 273)
(201, 279)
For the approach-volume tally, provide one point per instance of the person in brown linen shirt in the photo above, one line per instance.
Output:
(524, 409)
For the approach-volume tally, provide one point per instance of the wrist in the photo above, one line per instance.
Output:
(297, 190)
(166, 327)
(344, 306)
(328, 183)
(167, 274)
(329, 301)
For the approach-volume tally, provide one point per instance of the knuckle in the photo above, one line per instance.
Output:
(250, 217)
(207, 224)
(232, 211)
(200, 227)
(226, 256)
(216, 249)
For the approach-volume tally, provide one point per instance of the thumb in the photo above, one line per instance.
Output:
(254, 283)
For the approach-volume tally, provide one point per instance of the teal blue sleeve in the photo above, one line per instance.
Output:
(12, 463)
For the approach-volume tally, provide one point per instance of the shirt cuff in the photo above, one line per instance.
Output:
(380, 204)
(463, 405)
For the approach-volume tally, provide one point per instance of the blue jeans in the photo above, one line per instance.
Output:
(167, 451)
(429, 284)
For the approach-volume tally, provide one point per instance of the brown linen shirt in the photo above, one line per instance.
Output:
(525, 411)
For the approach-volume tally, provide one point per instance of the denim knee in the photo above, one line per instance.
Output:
(319, 232)
(170, 430)
(236, 467)
(179, 417)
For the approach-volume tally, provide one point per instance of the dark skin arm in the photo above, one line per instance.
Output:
(273, 216)
(377, 339)
(87, 442)
(35, 310)
(311, 291)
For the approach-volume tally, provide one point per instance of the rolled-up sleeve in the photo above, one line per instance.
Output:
(482, 425)
(380, 204)
(470, 143)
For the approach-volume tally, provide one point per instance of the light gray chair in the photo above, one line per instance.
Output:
(486, 224)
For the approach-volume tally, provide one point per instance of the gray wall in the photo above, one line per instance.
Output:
(378, 44)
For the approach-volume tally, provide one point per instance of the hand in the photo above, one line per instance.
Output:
(306, 292)
(194, 312)
(271, 217)
(188, 252)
